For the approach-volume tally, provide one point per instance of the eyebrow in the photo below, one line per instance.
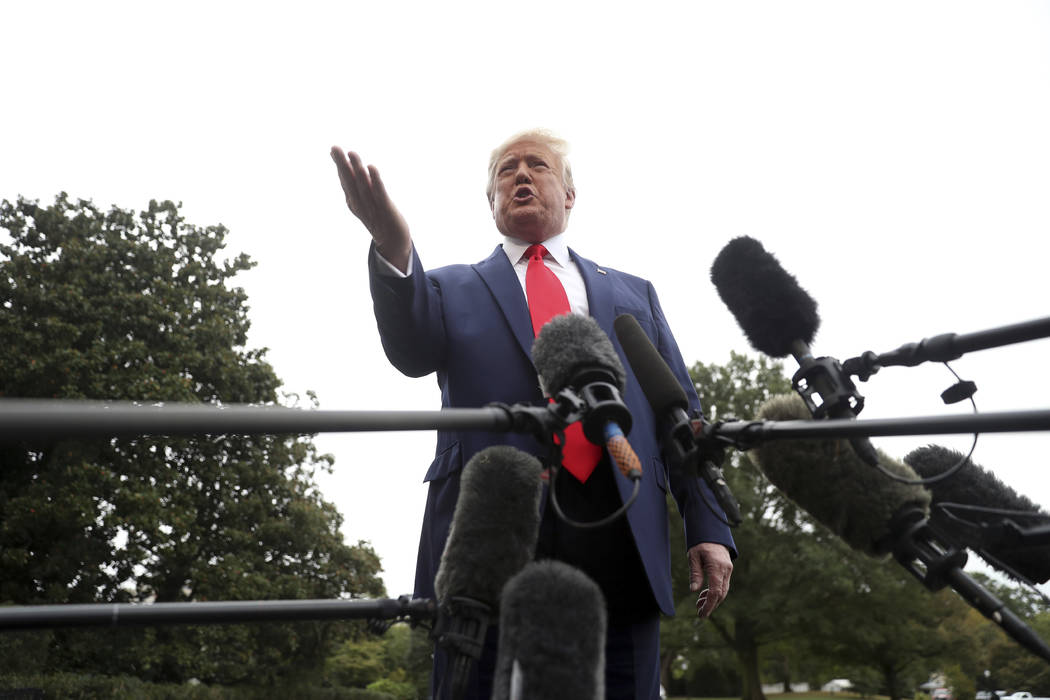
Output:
(529, 155)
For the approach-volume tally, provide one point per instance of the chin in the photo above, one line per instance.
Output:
(532, 236)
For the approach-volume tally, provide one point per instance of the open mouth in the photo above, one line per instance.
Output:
(523, 194)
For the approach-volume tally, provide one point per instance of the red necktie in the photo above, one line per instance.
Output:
(547, 299)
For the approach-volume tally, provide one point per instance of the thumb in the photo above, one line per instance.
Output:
(696, 571)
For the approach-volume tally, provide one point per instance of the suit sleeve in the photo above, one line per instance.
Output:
(690, 493)
(409, 316)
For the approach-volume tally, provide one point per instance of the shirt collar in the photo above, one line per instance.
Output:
(556, 246)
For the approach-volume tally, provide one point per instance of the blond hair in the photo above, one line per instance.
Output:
(558, 146)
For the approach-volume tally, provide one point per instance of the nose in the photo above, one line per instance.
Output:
(522, 175)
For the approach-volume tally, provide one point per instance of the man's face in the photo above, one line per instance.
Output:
(529, 200)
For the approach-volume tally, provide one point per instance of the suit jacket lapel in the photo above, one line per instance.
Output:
(599, 292)
(499, 276)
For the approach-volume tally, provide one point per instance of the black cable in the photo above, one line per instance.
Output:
(622, 510)
(947, 473)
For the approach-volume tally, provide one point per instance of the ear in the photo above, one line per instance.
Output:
(570, 198)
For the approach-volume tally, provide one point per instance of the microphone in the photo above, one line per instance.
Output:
(855, 502)
(573, 353)
(552, 636)
(876, 515)
(774, 312)
(493, 535)
(780, 318)
(976, 510)
(669, 402)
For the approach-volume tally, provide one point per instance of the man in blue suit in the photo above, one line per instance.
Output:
(471, 325)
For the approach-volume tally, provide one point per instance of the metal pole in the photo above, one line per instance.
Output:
(31, 419)
(754, 432)
(211, 612)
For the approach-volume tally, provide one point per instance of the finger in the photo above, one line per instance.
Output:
(718, 580)
(696, 572)
(360, 172)
(342, 165)
(378, 188)
(712, 602)
(701, 604)
(360, 185)
(346, 176)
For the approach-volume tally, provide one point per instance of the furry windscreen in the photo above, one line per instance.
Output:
(767, 302)
(569, 344)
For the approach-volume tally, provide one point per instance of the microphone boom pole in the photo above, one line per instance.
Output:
(946, 347)
(41, 419)
(213, 612)
(746, 434)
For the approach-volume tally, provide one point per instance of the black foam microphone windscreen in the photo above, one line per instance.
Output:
(570, 344)
(494, 526)
(826, 478)
(975, 489)
(552, 636)
(768, 303)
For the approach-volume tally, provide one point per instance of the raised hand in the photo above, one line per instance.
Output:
(368, 200)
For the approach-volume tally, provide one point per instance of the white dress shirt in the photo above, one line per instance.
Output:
(557, 260)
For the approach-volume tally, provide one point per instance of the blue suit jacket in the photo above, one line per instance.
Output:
(470, 324)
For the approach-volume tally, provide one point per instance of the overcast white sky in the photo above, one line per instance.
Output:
(895, 156)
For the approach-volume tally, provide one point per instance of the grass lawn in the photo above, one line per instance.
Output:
(816, 695)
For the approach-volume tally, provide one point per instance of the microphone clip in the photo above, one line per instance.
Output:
(543, 422)
(826, 388)
(704, 456)
(601, 401)
(460, 630)
(566, 408)
(923, 551)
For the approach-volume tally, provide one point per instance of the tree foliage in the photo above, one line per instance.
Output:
(887, 622)
(1007, 666)
(771, 572)
(784, 574)
(124, 306)
(397, 663)
(802, 606)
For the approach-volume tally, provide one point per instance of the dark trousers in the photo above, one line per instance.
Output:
(609, 556)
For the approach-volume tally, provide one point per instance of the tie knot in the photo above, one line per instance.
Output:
(535, 251)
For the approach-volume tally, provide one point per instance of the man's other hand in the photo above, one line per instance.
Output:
(711, 561)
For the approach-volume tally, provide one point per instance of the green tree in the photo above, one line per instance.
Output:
(124, 306)
(400, 657)
(772, 596)
(887, 622)
(1009, 666)
(801, 603)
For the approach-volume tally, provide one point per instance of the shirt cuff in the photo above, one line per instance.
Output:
(384, 267)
